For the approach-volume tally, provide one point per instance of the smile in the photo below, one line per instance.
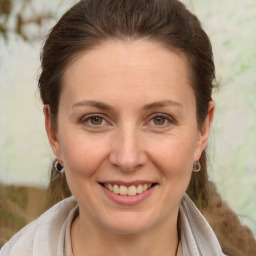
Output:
(128, 190)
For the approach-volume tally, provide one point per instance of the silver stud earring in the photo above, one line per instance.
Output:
(59, 168)
(196, 166)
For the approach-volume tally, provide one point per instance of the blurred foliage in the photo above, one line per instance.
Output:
(21, 19)
(19, 205)
(13, 202)
(231, 25)
(17, 195)
(5, 11)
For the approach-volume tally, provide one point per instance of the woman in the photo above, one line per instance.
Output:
(126, 87)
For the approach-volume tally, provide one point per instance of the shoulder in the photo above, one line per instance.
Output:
(197, 237)
(35, 238)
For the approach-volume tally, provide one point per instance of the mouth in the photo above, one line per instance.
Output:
(131, 190)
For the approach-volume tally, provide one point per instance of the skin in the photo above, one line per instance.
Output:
(127, 143)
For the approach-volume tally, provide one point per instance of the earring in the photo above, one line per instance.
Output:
(59, 168)
(196, 166)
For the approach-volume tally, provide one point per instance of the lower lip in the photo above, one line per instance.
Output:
(128, 200)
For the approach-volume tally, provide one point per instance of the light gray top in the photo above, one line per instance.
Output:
(50, 233)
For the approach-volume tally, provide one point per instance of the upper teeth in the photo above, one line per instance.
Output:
(124, 190)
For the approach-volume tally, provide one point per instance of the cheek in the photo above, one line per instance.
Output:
(174, 156)
(83, 155)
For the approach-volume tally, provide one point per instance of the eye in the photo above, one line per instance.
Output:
(161, 120)
(94, 121)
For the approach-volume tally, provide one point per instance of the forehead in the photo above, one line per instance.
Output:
(127, 68)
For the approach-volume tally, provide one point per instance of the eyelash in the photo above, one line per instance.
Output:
(86, 119)
(168, 119)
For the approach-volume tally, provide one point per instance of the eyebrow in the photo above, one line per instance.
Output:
(161, 104)
(92, 103)
(103, 106)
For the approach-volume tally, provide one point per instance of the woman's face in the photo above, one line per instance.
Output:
(127, 118)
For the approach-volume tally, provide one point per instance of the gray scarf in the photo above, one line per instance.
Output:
(46, 236)
(197, 237)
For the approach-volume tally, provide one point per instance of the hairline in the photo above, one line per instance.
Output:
(100, 42)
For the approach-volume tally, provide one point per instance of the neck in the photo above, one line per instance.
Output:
(89, 240)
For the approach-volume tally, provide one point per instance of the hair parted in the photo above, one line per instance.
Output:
(92, 22)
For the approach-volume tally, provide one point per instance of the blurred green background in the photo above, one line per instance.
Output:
(231, 24)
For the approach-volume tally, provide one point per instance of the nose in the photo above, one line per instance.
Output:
(127, 150)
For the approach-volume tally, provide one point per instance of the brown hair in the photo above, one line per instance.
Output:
(91, 22)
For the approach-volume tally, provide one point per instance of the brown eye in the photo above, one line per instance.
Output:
(159, 120)
(96, 120)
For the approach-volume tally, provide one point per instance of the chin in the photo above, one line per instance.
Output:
(129, 223)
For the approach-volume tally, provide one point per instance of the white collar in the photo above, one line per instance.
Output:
(46, 235)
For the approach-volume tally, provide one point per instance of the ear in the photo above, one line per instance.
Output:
(204, 131)
(52, 133)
